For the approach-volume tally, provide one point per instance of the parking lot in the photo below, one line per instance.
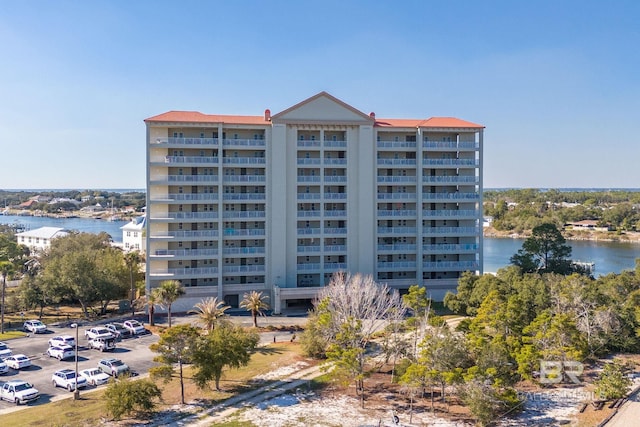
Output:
(133, 351)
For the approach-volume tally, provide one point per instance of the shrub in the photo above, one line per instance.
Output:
(127, 397)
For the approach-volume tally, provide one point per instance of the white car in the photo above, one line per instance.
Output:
(5, 351)
(134, 326)
(61, 352)
(18, 392)
(4, 368)
(35, 326)
(95, 376)
(18, 361)
(98, 332)
(62, 340)
(66, 378)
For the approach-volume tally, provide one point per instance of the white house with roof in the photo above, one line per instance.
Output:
(40, 238)
(133, 236)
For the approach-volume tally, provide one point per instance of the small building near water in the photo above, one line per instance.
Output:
(133, 235)
(40, 238)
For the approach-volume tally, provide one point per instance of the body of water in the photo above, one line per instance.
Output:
(609, 257)
(87, 225)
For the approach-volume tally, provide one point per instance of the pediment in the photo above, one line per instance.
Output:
(322, 108)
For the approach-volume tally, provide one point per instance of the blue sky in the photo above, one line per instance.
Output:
(556, 83)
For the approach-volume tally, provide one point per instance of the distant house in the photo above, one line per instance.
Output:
(133, 236)
(40, 238)
(587, 224)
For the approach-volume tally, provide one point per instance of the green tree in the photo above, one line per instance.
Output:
(128, 397)
(167, 293)
(227, 346)
(255, 303)
(613, 382)
(544, 252)
(132, 260)
(210, 311)
(176, 346)
(6, 268)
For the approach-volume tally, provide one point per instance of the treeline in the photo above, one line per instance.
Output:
(81, 198)
(520, 210)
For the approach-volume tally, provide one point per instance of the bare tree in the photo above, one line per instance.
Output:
(354, 308)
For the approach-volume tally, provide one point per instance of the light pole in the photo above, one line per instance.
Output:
(76, 391)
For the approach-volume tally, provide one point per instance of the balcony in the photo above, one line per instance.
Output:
(397, 196)
(189, 160)
(309, 231)
(243, 196)
(243, 269)
(306, 178)
(185, 142)
(307, 162)
(309, 267)
(451, 196)
(308, 248)
(451, 231)
(180, 273)
(336, 178)
(397, 162)
(308, 143)
(259, 179)
(451, 163)
(450, 266)
(179, 179)
(407, 248)
(335, 144)
(335, 213)
(396, 144)
(335, 162)
(335, 248)
(444, 214)
(180, 197)
(451, 179)
(450, 248)
(182, 234)
(451, 145)
(335, 230)
(396, 179)
(309, 196)
(335, 266)
(335, 196)
(396, 265)
(227, 143)
(244, 160)
(308, 214)
(252, 232)
(184, 253)
(184, 216)
(397, 230)
(247, 250)
(244, 214)
(396, 213)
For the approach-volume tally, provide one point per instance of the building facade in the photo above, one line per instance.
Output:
(280, 203)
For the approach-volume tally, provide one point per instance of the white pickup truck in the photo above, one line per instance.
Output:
(18, 391)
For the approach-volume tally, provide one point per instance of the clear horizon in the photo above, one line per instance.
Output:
(555, 83)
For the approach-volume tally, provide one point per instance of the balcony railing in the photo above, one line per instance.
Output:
(386, 265)
(335, 248)
(243, 196)
(451, 162)
(243, 214)
(243, 269)
(335, 266)
(309, 196)
(190, 159)
(308, 143)
(396, 179)
(451, 179)
(335, 230)
(243, 142)
(332, 161)
(335, 213)
(184, 215)
(244, 160)
(185, 253)
(308, 214)
(450, 248)
(185, 141)
(383, 213)
(396, 230)
(397, 248)
(184, 234)
(451, 196)
(450, 266)
(451, 231)
(396, 162)
(397, 196)
(304, 178)
(313, 161)
(335, 196)
(307, 248)
(310, 230)
(249, 250)
(336, 178)
(184, 197)
(396, 144)
(244, 178)
(335, 144)
(245, 232)
(308, 266)
(184, 272)
(451, 145)
(467, 213)
(185, 178)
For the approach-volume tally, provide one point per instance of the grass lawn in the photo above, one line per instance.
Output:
(90, 409)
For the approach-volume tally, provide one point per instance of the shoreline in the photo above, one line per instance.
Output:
(594, 236)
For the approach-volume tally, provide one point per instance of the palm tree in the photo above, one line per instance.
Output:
(132, 260)
(167, 293)
(6, 268)
(255, 302)
(151, 301)
(209, 311)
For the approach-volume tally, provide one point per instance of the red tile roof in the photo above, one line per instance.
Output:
(433, 122)
(197, 117)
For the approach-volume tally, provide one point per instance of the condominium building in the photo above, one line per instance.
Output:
(279, 203)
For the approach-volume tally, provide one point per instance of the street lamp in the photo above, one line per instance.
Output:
(76, 391)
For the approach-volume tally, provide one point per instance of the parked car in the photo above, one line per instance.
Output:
(4, 368)
(99, 331)
(134, 326)
(61, 352)
(62, 340)
(18, 361)
(66, 378)
(18, 391)
(35, 326)
(103, 343)
(95, 376)
(114, 367)
(5, 351)
(118, 330)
